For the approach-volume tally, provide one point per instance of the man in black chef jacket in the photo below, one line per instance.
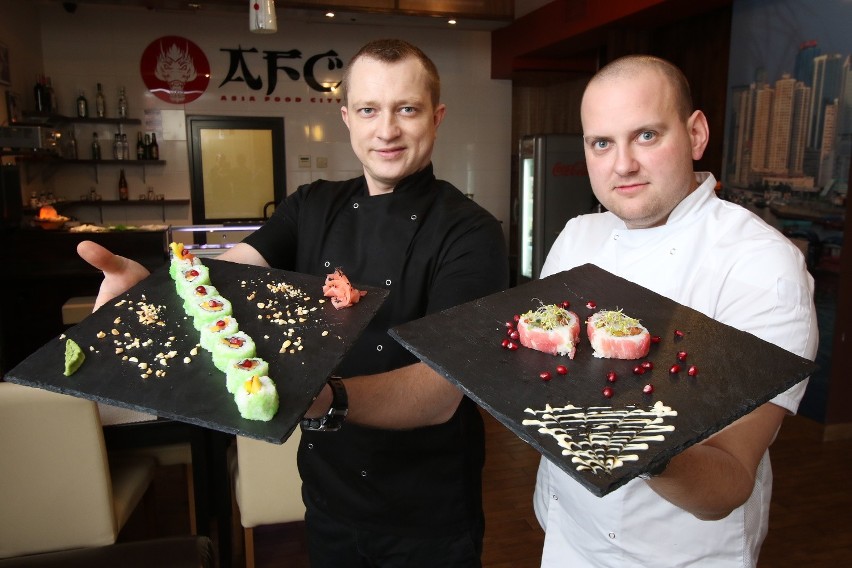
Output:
(396, 481)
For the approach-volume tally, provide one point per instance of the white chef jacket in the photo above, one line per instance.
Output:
(720, 259)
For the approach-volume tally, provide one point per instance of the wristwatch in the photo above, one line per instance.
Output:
(337, 412)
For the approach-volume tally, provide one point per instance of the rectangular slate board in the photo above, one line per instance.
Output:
(195, 391)
(736, 372)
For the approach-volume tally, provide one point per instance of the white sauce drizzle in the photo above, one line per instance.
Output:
(597, 438)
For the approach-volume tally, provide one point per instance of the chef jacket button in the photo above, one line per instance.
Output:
(354, 206)
(555, 497)
(310, 446)
(379, 347)
(363, 473)
(414, 217)
(388, 282)
(672, 251)
(327, 264)
(615, 237)
(611, 535)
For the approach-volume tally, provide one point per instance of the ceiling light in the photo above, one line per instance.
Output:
(262, 17)
(329, 14)
(451, 22)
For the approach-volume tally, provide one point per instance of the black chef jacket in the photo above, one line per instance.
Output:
(432, 248)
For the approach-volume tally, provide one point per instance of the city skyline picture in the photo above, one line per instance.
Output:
(788, 134)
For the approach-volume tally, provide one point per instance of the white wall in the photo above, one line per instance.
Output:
(99, 44)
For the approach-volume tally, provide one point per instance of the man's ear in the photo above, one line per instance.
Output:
(699, 134)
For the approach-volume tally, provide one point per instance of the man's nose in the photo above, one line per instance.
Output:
(388, 127)
(625, 161)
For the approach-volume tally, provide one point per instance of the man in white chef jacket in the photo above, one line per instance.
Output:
(665, 229)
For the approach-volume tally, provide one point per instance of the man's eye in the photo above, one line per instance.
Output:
(647, 135)
(366, 111)
(408, 110)
(600, 144)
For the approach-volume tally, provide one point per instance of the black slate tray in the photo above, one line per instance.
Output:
(195, 392)
(736, 371)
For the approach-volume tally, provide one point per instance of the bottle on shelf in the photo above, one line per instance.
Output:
(125, 147)
(147, 146)
(82, 105)
(122, 187)
(52, 102)
(100, 102)
(96, 147)
(40, 95)
(122, 103)
(117, 152)
(154, 153)
(140, 146)
(72, 148)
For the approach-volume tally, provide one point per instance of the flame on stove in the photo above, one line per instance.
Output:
(48, 213)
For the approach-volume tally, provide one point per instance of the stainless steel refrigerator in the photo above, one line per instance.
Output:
(554, 187)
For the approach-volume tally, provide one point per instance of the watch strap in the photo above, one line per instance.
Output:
(333, 419)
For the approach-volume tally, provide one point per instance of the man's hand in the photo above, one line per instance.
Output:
(120, 273)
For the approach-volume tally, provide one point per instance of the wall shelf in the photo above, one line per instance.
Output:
(112, 203)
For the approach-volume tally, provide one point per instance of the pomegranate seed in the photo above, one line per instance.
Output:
(505, 343)
(236, 341)
(648, 389)
(545, 375)
(678, 333)
(692, 371)
(591, 305)
(192, 273)
(200, 290)
(562, 369)
(220, 323)
(675, 369)
(647, 365)
(681, 355)
(214, 303)
(246, 364)
(566, 304)
(638, 370)
(607, 392)
(514, 335)
(611, 376)
(517, 318)
(512, 346)
(510, 325)
(655, 339)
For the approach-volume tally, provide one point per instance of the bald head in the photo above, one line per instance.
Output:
(634, 65)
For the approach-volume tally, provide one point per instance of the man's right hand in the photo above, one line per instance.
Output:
(120, 273)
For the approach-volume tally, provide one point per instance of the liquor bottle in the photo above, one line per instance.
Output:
(122, 104)
(122, 186)
(147, 146)
(82, 105)
(117, 152)
(72, 148)
(40, 96)
(53, 104)
(155, 148)
(100, 102)
(125, 147)
(96, 147)
(140, 147)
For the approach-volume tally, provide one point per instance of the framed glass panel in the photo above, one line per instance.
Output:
(237, 168)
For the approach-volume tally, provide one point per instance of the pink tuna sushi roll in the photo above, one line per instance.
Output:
(550, 329)
(614, 335)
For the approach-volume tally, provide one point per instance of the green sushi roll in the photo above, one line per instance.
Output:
(198, 293)
(239, 371)
(257, 399)
(235, 346)
(188, 279)
(209, 310)
(221, 327)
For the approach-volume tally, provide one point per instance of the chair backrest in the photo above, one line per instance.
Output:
(55, 488)
(267, 483)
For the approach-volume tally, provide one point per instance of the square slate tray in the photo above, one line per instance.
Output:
(736, 373)
(195, 391)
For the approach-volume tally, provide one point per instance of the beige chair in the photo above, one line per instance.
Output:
(58, 490)
(267, 486)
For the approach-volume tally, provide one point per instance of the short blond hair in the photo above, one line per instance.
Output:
(391, 51)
